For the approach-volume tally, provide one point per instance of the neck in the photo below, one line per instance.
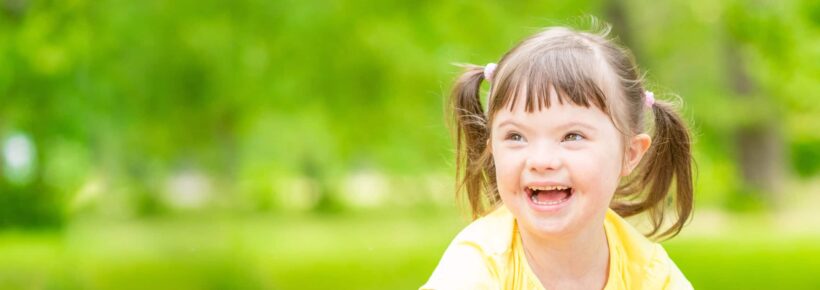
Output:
(569, 261)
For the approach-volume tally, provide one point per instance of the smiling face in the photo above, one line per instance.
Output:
(557, 167)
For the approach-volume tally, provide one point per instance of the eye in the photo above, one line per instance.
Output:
(514, 137)
(573, 137)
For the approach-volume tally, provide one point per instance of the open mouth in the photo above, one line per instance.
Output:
(549, 195)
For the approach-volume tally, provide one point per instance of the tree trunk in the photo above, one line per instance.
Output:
(616, 15)
(759, 143)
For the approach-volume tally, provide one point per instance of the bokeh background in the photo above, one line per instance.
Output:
(302, 144)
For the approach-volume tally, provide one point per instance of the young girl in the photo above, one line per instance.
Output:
(560, 156)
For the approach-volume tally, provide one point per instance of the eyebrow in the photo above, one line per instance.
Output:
(563, 126)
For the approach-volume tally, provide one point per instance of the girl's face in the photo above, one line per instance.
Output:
(557, 168)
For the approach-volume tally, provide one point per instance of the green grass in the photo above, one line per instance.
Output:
(754, 262)
(378, 250)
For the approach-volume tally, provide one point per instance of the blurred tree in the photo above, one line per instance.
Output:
(759, 144)
(759, 137)
(617, 15)
(129, 95)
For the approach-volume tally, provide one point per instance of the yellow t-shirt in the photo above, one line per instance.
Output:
(488, 254)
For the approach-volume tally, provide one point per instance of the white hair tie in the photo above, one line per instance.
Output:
(650, 98)
(489, 69)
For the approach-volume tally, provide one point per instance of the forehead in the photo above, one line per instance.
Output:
(555, 115)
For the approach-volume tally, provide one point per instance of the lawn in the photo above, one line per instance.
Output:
(377, 250)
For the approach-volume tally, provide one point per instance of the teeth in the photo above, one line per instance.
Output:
(557, 187)
(536, 201)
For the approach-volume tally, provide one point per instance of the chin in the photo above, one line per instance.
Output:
(559, 214)
(548, 226)
(540, 223)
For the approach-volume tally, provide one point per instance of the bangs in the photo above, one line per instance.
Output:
(574, 74)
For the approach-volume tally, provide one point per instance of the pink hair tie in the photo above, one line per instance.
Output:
(650, 98)
(489, 69)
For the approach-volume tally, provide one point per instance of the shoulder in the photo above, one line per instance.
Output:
(474, 259)
(668, 274)
(644, 261)
(492, 233)
(636, 248)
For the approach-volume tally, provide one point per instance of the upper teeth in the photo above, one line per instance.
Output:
(556, 187)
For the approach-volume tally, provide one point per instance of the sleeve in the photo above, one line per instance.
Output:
(463, 266)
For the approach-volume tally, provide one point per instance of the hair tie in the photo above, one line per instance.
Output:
(650, 98)
(489, 69)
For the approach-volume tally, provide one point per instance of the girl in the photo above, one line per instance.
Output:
(558, 159)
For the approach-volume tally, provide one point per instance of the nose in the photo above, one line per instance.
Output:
(544, 158)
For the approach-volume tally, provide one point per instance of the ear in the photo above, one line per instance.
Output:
(636, 148)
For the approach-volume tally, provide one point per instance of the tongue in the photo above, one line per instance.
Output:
(551, 195)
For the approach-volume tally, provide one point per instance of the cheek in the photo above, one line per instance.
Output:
(507, 169)
(597, 171)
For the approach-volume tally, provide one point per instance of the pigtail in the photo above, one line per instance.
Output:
(668, 159)
(474, 167)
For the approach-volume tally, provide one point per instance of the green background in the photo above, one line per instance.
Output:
(302, 144)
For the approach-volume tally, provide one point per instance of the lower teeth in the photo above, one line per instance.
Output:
(535, 200)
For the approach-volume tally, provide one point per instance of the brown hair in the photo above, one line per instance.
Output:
(585, 69)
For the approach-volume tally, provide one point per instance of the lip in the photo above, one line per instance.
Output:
(552, 208)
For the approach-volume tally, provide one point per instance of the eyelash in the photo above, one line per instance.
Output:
(513, 135)
(510, 136)
(581, 137)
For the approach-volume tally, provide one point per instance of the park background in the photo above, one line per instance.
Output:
(302, 144)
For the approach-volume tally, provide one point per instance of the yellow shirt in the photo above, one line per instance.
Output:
(488, 254)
